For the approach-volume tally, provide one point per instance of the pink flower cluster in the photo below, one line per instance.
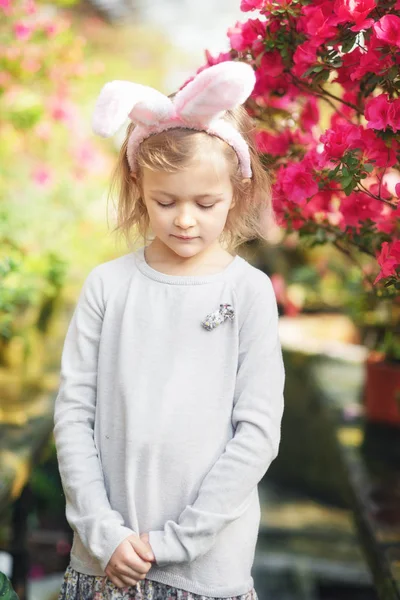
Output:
(339, 177)
(39, 47)
(389, 259)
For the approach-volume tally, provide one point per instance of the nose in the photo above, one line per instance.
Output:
(184, 219)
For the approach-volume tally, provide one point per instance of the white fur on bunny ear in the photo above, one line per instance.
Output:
(119, 100)
(213, 91)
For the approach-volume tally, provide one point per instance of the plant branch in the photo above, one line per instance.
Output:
(349, 104)
(323, 95)
(388, 202)
(356, 262)
(341, 235)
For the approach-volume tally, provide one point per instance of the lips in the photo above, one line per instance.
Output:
(182, 237)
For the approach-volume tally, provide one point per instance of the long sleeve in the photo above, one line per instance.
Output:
(88, 510)
(226, 490)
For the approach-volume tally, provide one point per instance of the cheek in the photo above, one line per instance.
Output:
(222, 212)
(161, 216)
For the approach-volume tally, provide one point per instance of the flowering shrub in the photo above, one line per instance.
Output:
(45, 154)
(327, 104)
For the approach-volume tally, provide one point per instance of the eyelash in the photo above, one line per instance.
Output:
(200, 205)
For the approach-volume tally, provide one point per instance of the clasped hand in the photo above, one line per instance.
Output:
(129, 563)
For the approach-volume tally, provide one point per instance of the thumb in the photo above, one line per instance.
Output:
(141, 548)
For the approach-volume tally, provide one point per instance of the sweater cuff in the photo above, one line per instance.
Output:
(114, 537)
(164, 553)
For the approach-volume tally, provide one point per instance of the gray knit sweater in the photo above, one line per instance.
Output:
(165, 426)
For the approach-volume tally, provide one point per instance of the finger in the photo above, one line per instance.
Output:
(141, 548)
(126, 571)
(117, 581)
(139, 565)
(131, 581)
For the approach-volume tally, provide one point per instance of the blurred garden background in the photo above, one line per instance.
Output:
(326, 104)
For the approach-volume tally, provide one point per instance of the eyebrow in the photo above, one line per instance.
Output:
(198, 197)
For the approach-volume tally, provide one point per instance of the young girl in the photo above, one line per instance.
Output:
(171, 396)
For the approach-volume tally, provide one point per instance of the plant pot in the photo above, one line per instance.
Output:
(382, 390)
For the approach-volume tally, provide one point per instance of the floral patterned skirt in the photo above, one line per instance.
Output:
(77, 586)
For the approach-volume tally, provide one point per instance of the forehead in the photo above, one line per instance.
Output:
(207, 171)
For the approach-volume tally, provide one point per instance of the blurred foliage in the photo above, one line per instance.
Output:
(53, 223)
(27, 280)
(45, 154)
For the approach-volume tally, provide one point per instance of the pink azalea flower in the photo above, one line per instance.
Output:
(394, 115)
(30, 7)
(320, 203)
(388, 259)
(267, 85)
(272, 63)
(298, 183)
(87, 157)
(5, 5)
(243, 35)
(214, 60)
(397, 188)
(310, 114)
(61, 109)
(315, 159)
(374, 148)
(42, 175)
(359, 62)
(22, 31)
(357, 207)
(247, 5)
(355, 11)
(376, 112)
(388, 219)
(337, 141)
(380, 190)
(318, 21)
(273, 144)
(279, 284)
(51, 29)
(304, 57)
(388, 29)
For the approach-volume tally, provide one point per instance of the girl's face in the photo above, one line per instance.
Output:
(193, 203)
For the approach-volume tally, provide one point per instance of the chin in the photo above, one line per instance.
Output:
(185, 248)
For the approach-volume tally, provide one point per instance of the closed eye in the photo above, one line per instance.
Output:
(172, 204)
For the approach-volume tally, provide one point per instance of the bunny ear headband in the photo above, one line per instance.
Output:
(199, 106)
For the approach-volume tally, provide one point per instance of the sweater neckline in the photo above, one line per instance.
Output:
(147, 270)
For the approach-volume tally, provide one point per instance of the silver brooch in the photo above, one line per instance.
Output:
(217, 317)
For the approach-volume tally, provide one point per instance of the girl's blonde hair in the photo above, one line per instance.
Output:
(170, 151)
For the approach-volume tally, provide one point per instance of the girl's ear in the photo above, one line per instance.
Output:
(133, 177)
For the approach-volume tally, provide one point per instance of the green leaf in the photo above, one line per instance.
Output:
(308, 72)
(345, 181)
(348, 44)
(368, 167)
(323, 76)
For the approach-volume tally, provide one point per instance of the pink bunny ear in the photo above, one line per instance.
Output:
(121, 99)
(215, 90)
